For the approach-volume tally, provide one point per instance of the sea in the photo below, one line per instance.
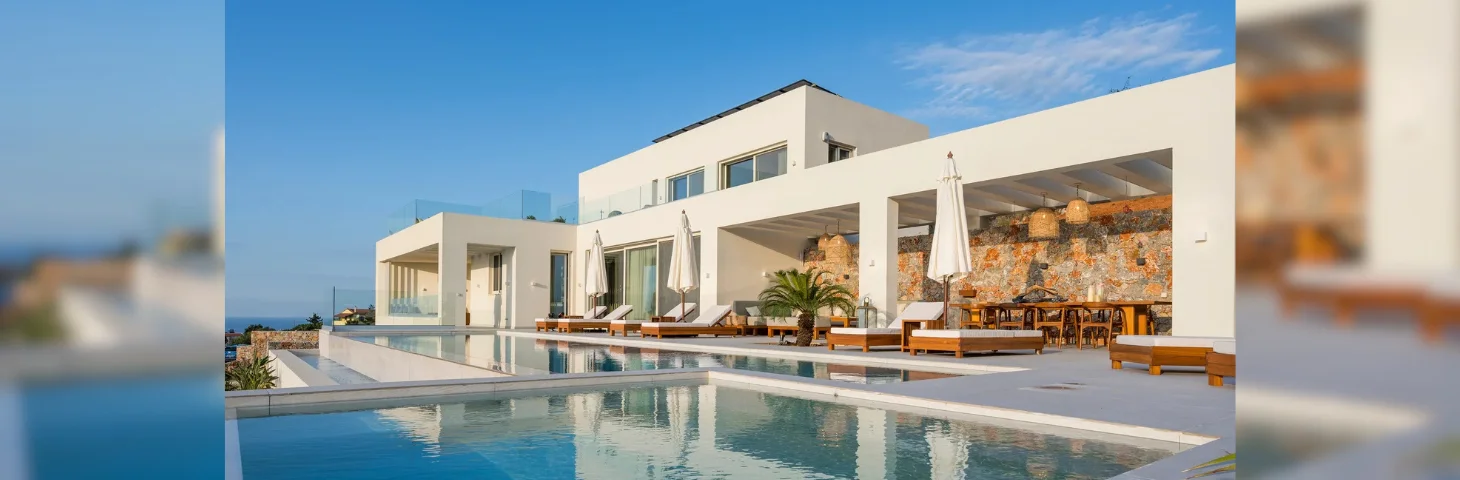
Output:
(237, 324)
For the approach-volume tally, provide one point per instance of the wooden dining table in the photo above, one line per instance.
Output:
(1137, 313)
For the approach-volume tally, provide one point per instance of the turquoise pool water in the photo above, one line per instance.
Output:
(528, 356)
(667, 432)
(339, 373)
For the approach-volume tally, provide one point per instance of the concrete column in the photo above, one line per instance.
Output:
(451, 281)
(878, 258)
(709, 265)
(1412, 109)
(383, 282)
(876, 443)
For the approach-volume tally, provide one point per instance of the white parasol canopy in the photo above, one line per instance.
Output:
(596, 278)
(950, 258)
(683, 274)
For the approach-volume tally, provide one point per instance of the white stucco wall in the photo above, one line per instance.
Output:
(1191, 116)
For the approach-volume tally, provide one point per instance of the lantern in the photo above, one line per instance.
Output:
(1043, 224)
(1078, 211)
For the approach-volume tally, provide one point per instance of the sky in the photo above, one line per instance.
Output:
(341, 112)
(106, 116)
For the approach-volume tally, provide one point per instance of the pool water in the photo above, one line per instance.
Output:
(700, 431)
(529, 356)
(339, 373)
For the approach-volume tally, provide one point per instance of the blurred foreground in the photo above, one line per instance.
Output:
(1349, 238)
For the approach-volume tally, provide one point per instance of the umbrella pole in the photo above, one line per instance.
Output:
(945, 301)
(681, 306)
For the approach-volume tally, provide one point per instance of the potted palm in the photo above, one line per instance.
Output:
(802, 294)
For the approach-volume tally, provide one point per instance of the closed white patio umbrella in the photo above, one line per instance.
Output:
(683, 274)
(595, 281)
(950, 259)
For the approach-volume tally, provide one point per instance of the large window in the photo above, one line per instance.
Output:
(757, 167)
(687, 185)
(558, 293)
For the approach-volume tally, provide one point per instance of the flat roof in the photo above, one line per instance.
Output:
(798, 84)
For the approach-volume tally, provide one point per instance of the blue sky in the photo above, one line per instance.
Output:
(106, 114)
(340, 112)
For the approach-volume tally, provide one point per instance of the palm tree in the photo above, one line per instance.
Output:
(252, 374)
(802, 294)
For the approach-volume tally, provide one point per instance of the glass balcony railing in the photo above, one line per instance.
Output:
(518, 204)
(421, 306)
(633, 199)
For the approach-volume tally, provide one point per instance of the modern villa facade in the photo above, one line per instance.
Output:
(762, 181)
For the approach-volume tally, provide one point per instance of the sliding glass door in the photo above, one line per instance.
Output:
(558, 291)
(640, 280)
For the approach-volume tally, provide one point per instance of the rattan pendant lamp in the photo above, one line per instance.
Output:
(837, 248)
(1078, 211)
(1043, 224)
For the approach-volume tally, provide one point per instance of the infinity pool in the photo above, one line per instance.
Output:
(528, 356)
(683, 431)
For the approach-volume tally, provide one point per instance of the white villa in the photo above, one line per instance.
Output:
(761, 181)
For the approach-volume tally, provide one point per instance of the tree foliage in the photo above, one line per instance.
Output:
(251, 374)
(802, 294)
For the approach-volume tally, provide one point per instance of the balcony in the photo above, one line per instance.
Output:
(633, 199)
(517, 205)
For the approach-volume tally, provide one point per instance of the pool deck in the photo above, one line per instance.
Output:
(1062, 381)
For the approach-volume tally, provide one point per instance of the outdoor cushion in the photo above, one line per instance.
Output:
(1351, 277)
(595, 312)
(934, 333)
(708, 318)
(619, 313)
(752, 311)
(866, 331)
(1168, 341)
(579, 320)
(679, 311)
(1228, 347)
(919, 311)
(792, 321)
(625, 322)
(1445, 287)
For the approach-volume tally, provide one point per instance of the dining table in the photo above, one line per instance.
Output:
(1136, 312)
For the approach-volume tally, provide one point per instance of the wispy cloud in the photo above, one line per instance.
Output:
(983, 74)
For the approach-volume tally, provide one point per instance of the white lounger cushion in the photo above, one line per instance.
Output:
(793, 321)
(580, 320)
(976, 333)
(914, 311)
(619, 313)
(625, 322)
(1225, 346)
(866, 331)
(1168, 341)
(679, 311)
(595, 312)
(708, 318)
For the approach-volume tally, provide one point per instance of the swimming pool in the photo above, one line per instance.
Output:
(529, 356)
(339, 373)
(668, 431)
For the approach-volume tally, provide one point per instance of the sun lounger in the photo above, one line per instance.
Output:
(791, 325)
(624, 326)
(571, 325)
(890, 336)
(707, 324)
(959, 341)
(550, 324)
(1346, 290)
(1156, 351)
(1221, 362)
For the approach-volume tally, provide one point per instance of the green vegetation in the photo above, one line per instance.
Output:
(530, 217)
(802, 294)
(1223, 464)
(252, 374)
(36, 325)
(314, 322)
(560, 219)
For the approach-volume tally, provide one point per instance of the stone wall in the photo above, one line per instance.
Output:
(1006, 262)
(259, 343)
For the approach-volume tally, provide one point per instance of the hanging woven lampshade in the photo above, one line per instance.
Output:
(1043, 224)
(1078, 211)
(837, 248)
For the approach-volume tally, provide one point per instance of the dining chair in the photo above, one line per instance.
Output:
(1097, 315)
(1049, 316)
(1013, 316)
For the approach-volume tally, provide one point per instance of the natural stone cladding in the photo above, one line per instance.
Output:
(261, 342)
(1006, 261)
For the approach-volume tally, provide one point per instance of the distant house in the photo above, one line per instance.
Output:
(356, 314)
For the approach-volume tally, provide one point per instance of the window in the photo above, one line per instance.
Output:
(757, 167)
(496, 272)
(836, 152)
(687, 185)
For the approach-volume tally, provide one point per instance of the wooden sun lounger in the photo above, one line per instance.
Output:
(653, 330)
(1161, 351)
(1221, 362)
(959, 341)
(547, 324)
(893, 338)
(623, 327)
(579, 326)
